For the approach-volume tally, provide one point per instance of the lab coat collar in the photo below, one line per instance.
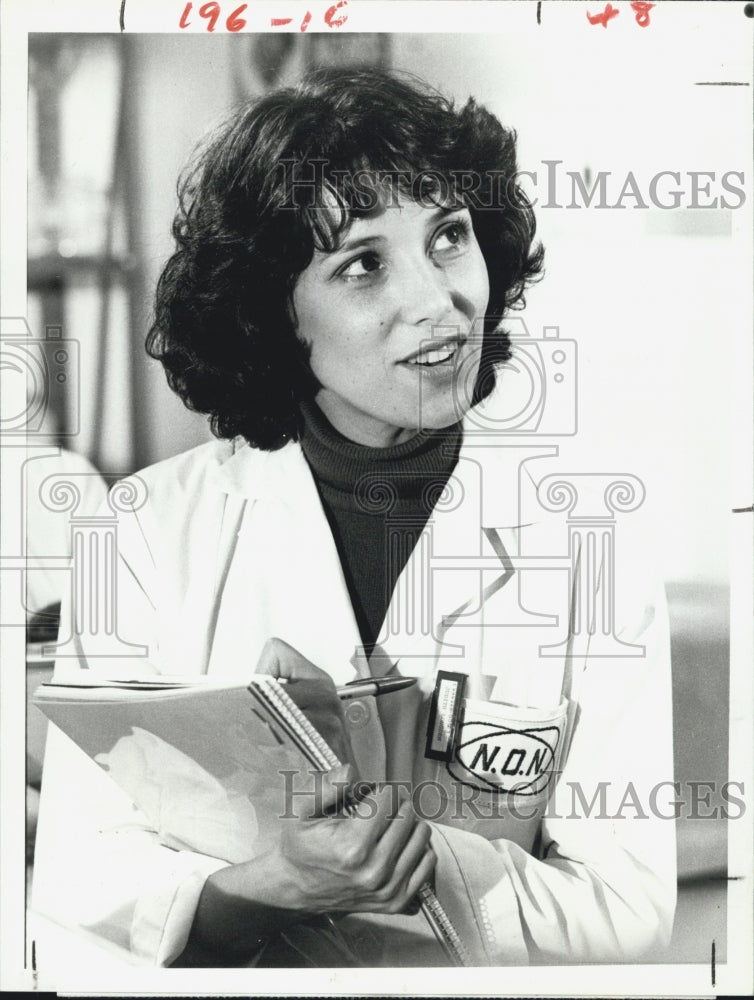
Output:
(283, 474)
(255, 474)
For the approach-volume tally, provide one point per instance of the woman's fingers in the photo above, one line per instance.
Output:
(389, 867)
(393, 890)
(421, 874)
(413, 870)
(372, 841)
(311, 689)
(281, 660)
(402, 826)
(373, 861)
(407, 862)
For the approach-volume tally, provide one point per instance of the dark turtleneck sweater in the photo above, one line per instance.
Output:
(377, 502)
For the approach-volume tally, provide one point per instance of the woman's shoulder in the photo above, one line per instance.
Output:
(190, 467)
(165, 509)
(191, 483)
(182, 471)
(168, 489)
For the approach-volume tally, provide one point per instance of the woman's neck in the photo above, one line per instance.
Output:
(361, 428)
(340, 462)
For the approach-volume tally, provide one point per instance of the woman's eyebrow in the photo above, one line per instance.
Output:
(372, 239)
(357, 243)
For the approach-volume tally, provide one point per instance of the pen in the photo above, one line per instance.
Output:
(365, 686)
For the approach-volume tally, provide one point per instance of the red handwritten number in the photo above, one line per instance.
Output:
(235, 22)
(210, 11)
(305, 21)
(642, 9)
(607, 15)
(331, 20)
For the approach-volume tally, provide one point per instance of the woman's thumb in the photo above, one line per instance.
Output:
(280, 659)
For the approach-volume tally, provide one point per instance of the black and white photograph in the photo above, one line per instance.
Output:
(376, 443)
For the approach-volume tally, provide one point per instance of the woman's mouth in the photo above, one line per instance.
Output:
(432, 357)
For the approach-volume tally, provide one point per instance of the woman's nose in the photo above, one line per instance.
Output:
(425, 295)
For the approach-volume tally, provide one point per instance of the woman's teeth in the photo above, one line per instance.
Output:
(434, 357)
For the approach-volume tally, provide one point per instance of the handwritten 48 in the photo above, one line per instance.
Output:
(641, 9)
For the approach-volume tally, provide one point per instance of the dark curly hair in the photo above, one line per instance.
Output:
(251, 214)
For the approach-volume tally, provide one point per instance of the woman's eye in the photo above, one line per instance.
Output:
(364, 266)
(452, 237)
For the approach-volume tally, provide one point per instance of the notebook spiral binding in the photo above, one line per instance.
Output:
(441, 924)
(324, 757)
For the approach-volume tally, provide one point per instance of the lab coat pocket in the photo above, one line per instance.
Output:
(504, 765)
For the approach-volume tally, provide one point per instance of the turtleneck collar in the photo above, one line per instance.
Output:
(346, 469)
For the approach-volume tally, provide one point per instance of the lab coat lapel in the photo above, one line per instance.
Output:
(284, 576)
(190, 582)
(460, 561)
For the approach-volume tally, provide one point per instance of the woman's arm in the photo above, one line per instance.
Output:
(103, 868)
(374, 862)
(100, 868)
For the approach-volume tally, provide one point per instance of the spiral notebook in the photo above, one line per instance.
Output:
(158, 737)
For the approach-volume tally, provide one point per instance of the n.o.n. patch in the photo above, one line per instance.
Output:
(502, 749)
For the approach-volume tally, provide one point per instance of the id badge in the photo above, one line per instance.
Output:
(445, 714)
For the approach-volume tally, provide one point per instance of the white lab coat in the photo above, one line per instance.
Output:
(48, 530)
(232, 546)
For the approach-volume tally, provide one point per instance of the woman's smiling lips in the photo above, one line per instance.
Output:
(435, 355)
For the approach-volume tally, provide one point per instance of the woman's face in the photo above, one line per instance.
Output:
(388, 316)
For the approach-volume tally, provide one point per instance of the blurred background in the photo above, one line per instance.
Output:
(648, 295)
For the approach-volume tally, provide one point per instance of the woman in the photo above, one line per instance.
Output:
(345, 253)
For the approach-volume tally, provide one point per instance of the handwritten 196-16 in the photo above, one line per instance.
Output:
(211, 13)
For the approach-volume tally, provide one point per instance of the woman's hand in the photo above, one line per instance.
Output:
(373, 861)
(312, 690)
